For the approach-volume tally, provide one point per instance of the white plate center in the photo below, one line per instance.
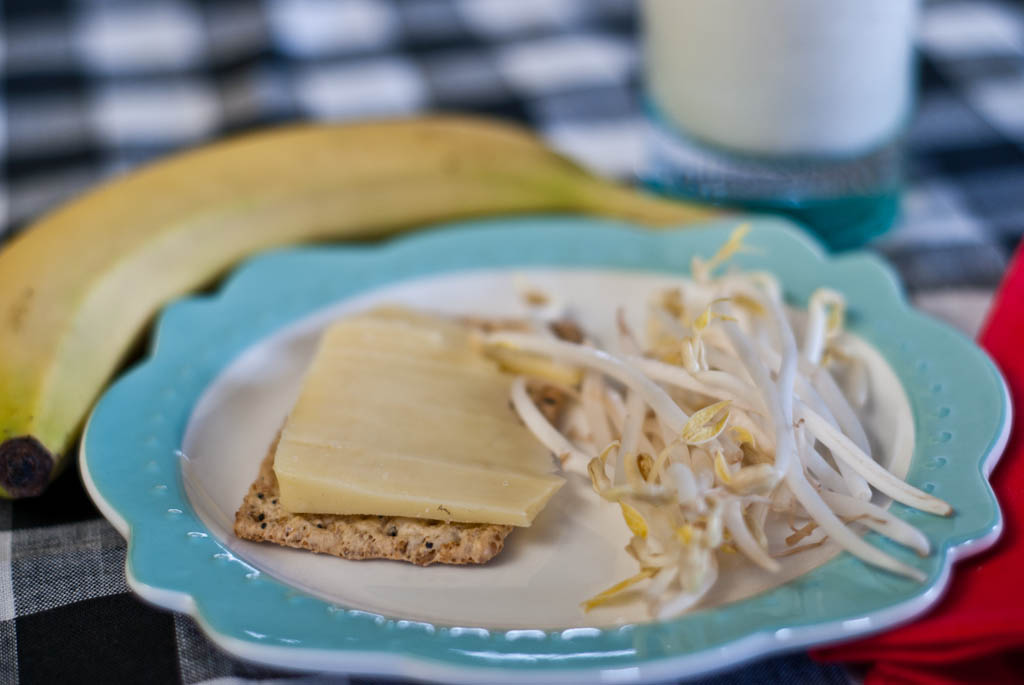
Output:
(575, 547)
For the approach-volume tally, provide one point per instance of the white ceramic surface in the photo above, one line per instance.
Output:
(575, 547)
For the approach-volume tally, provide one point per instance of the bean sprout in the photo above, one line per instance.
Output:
(715, 423)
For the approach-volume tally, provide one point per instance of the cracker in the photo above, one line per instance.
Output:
(352, 536)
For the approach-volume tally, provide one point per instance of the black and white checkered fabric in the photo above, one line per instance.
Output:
(93, 88)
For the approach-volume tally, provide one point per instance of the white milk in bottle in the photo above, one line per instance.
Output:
(780, 101)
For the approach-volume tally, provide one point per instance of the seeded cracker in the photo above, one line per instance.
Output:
(353, 536)
(420, 541)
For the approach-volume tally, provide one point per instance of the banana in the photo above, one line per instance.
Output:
(78, 287)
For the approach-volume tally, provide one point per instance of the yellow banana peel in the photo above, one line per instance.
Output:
(79, 286)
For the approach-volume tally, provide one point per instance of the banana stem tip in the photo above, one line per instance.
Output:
(25, 467)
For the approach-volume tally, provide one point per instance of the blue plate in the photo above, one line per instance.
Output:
(128, 460)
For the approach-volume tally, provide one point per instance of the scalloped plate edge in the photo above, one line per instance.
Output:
(743, 650)
(701, 663)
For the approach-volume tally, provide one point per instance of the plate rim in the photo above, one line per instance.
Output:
(755, 644)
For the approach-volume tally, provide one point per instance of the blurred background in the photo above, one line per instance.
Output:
(93, 88)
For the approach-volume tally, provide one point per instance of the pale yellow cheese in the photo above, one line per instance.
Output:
(400, 416)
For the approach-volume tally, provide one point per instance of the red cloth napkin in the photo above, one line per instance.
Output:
(976, 632)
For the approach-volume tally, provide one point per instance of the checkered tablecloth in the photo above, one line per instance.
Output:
(94, 88)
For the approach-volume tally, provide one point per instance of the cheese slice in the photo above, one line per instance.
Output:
(399, 415)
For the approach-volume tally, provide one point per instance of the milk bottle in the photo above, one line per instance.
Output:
(782, 104)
